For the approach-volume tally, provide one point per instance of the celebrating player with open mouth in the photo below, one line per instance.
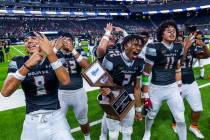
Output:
(39, 75)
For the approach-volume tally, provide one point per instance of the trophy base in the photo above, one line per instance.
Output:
(118, 107)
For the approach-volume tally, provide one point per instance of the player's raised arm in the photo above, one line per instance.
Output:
(56, 64)
(102, 48)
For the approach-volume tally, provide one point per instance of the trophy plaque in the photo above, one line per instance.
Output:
(97, 76)
(118, 103)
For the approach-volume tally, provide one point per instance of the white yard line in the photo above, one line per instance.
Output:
(91, 124)
(99, 121)
(17, 50)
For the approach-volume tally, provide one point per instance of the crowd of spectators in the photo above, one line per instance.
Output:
(17, 26)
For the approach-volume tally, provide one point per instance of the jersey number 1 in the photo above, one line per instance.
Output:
(170, 62)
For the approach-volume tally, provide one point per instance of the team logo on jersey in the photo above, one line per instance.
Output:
(94, 72)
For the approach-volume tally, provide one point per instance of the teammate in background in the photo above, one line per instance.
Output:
(199, 36)
(7, 50)
(125, 68)
(108, 44)
(91, 45)
(189, 89)
(39, 75)
(163, 60)
(74, 94)
(1, 51)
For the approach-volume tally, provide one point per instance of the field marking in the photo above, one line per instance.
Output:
(99, 121)
(17, 50)
(91, 124)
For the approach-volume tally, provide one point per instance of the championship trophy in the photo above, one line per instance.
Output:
(118, 103)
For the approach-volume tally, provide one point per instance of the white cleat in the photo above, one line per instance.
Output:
(174, 128)
(147, 136)
(196, 132)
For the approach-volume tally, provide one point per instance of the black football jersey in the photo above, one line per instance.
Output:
(164, 62)
(187, 66)
(74, 70)
(40, 85)
(123, 72)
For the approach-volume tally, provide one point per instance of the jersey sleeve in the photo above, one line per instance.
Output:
(181, 50)
(60, 56)
(151, 54)
(107, 62)
(13, 67)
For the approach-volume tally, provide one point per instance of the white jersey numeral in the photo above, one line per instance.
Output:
(40, 84)
(126, 79)
(73, 67)
(170, 62)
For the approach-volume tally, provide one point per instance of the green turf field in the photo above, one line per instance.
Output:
(11, 121)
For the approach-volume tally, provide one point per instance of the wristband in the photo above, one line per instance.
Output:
(105, 38)
(178, 70)
(55, 65)
(138, 109)
(179, 82)
(146, 95)
(79, 59)
(19, 76)
(27, 67)
(107, 33)
(74, 52)
(55, 50)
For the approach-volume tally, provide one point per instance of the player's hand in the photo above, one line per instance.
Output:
(34, 59)
(147, 104)
(109, 27)
(58, 43)
(105, 91)
(138, 116)
(44, 43)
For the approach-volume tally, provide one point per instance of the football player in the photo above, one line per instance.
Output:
(74, 94)
(163, 60)
(39, 75)
(108, 44)
(199, 36)
(125, 68)
(189, 89)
